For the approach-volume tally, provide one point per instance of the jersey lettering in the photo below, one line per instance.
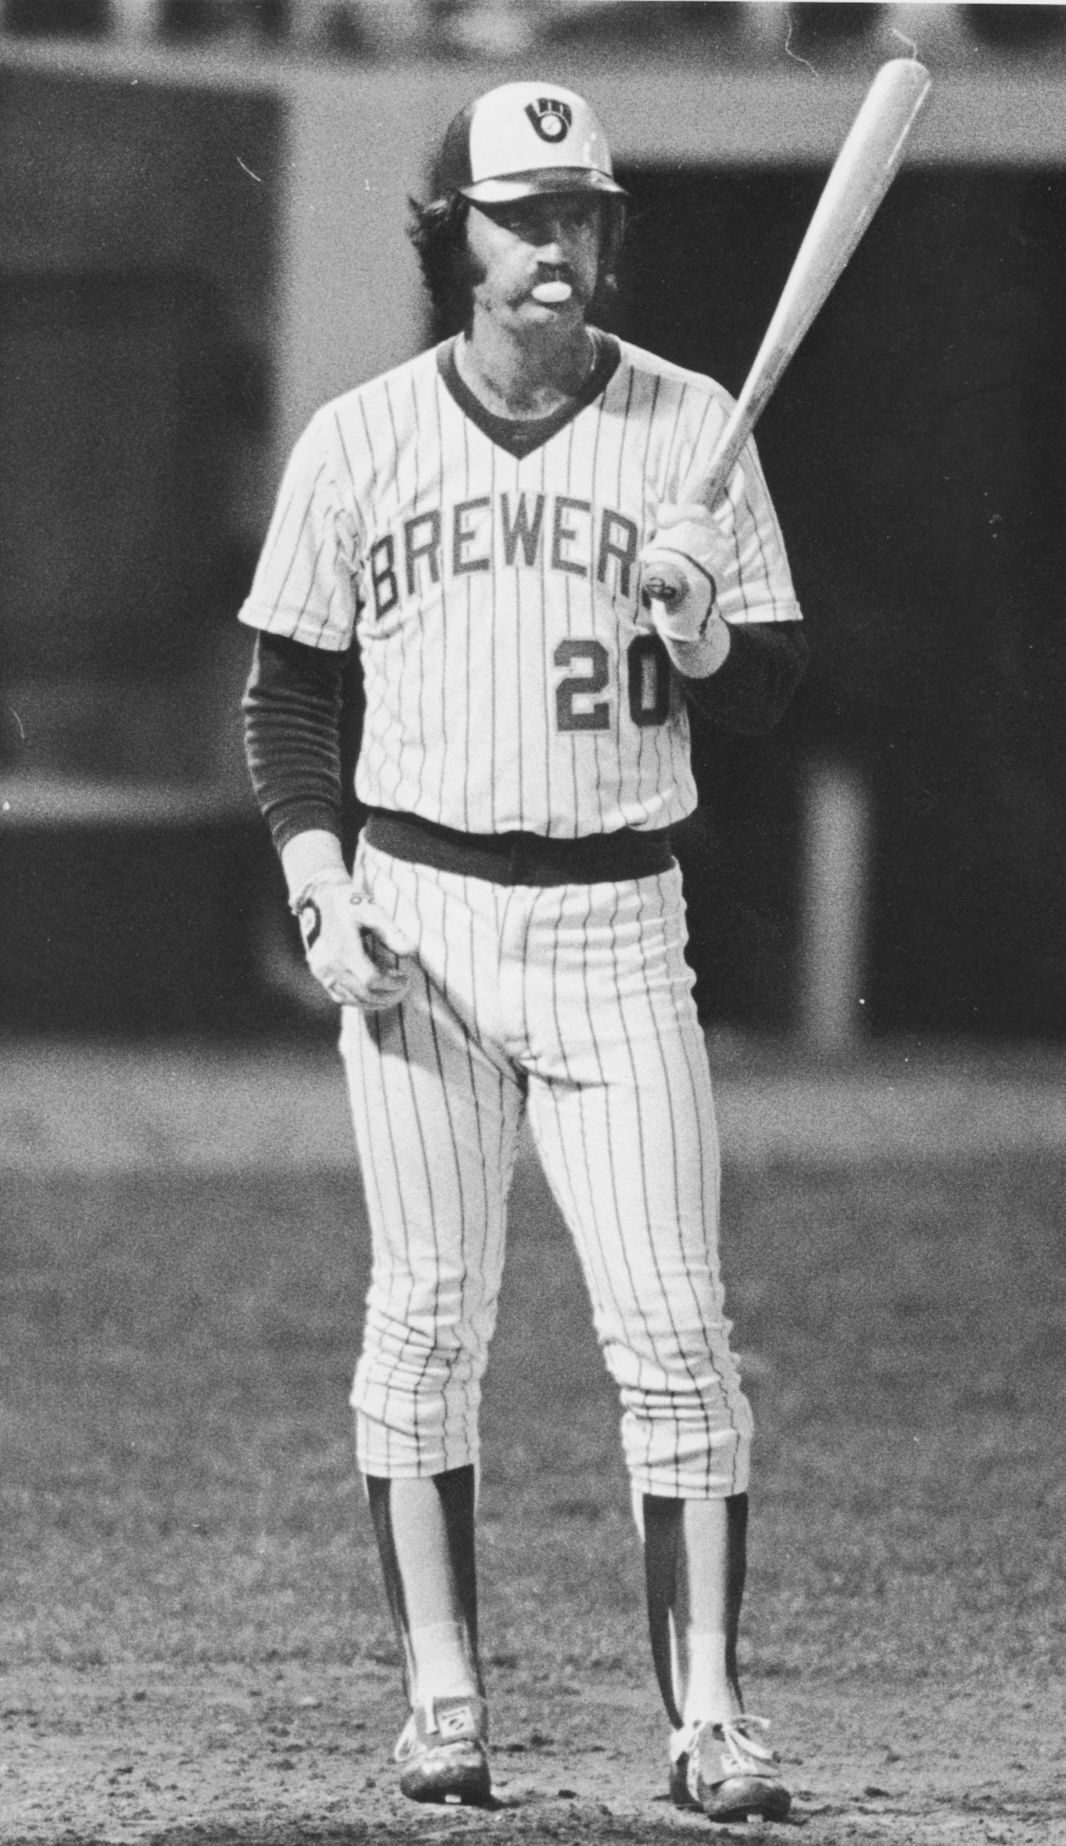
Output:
(383, 575)
(566, 534)
(583, 686)
(618, 540)
(427, 546)
(522, 532)
(648, 668)
(462, 537)
(647, 676)
(583, 540)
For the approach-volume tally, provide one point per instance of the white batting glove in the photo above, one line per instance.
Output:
(353, 949)
(690, 552)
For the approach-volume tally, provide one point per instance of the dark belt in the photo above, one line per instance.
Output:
(521, 858)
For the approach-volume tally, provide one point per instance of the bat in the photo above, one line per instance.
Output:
(860, 177)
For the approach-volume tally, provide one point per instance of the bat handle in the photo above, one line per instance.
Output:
(665, 584)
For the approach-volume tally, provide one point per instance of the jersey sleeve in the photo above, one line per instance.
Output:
(304, 583)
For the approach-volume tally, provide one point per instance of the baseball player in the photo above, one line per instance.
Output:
(510, 942)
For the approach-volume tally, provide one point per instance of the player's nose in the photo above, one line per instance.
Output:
(555, 236)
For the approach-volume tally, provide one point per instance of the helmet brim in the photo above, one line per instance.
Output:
(542, 181)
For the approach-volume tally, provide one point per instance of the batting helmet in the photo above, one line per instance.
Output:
(525, 138)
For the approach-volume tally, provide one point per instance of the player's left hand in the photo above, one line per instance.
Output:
(353, 948)
(690, 549)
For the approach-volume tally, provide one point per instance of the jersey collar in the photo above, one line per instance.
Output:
(520, 437)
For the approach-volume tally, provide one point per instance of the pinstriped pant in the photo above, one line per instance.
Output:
(574, 1003)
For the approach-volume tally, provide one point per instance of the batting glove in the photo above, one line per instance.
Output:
(690, 552)
(353, 948)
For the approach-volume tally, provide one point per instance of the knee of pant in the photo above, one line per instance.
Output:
(446, 1315)
(702, 1408)
(690, 1459)
(696, 1425)
(680, 1359)
(417, 1401)
(408, 1440)
(424, 1351)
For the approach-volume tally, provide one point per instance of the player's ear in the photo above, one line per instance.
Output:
(612, 237)
(615, 221)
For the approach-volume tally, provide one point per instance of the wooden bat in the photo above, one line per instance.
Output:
(861, 175)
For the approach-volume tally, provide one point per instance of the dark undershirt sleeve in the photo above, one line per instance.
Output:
(751, 692)
(291, 707)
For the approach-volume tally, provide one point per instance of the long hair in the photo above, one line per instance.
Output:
(438, 233)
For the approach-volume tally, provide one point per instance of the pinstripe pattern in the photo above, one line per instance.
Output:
(572, 1003)
(463, 569)
(493, 589)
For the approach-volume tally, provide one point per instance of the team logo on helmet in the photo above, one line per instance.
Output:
(550, 117)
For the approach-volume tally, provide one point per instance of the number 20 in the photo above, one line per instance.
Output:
(648, 676)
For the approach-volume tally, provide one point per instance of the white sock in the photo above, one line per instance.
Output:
(441, 1665)
(706, 1693)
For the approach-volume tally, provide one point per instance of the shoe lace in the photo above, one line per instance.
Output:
(737, 1735)
(407, 1742)
(738, 1738)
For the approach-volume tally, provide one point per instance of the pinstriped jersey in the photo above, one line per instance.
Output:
(488, 572)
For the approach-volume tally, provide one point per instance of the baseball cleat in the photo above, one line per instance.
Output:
(727, 1771)
(443, 1755)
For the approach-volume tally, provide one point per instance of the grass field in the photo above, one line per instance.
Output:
(193, 1644)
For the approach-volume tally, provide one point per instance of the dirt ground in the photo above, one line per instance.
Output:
(235, 1754)
(192, 1644)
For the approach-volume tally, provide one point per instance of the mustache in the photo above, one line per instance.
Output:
(472, 271)
(560, 272)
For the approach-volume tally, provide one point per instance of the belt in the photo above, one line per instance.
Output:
(521, 858)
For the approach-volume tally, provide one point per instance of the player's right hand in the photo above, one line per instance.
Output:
(353, 949)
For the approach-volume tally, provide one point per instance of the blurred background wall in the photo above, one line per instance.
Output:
(202, 212)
